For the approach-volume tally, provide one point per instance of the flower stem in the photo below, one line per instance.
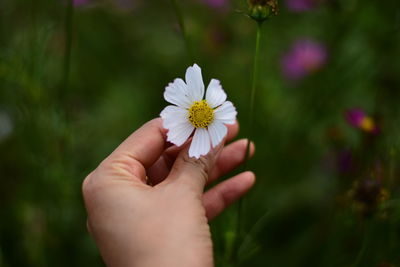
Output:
(68, 45)
(179, 15)
(253, 90)
(250, 136)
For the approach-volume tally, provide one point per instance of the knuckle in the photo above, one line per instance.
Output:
(92, 185)
(122, 165)
(86, 184)
(200, 166)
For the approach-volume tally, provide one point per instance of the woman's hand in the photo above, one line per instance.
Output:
(146, 205)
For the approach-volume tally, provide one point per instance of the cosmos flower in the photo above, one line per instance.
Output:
(305, 57)
(260, 10)
(358, 118)
(191, 112)
(300, 5)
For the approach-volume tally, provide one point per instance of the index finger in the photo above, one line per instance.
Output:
(145, 145)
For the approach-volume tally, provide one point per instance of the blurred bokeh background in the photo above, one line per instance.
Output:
(74, 82)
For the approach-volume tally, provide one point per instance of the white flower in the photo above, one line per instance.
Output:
(207, 117)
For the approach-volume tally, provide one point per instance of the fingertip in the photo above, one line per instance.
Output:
(248, 178)
(158, 123)
(245, 181)
(233, 130)
(244, 143)
(222, 195)
(252, 148)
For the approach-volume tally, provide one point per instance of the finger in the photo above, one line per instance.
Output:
(140, 150)
(146, 144)
(222, 195)
(231, 157)
(161, 168)
(233, 130)
(191, 172)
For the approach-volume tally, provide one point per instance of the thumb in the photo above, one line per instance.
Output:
(193, 172)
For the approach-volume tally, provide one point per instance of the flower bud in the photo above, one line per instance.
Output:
(260, 10)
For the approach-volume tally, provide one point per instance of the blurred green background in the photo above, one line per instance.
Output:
(75, 82)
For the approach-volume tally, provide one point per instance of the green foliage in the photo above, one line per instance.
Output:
(303, 211)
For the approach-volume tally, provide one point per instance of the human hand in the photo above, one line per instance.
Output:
(166, 224)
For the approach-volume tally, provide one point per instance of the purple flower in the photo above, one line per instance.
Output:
(355, 116)
(304, 57)
(358, 119)
(300, 5)
(218, 4)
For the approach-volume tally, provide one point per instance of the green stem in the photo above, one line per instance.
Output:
(183, 29)
(68, 44)
(253, 230)
(363, 248)
(250, 136)
(253, 90)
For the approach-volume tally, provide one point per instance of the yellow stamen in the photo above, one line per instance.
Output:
(201, 114)
(367, 124)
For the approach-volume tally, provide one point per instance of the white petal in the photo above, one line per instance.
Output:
(177, 93)
(172, 115)
(215, 95)
(226, 113)
(217, 131)
(194, 82)
(200, 143)
(175, 120)
(180, 133)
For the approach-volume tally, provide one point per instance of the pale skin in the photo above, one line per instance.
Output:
(146, 203)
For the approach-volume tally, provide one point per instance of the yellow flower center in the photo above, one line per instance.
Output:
(367, 124)
(201, 114)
